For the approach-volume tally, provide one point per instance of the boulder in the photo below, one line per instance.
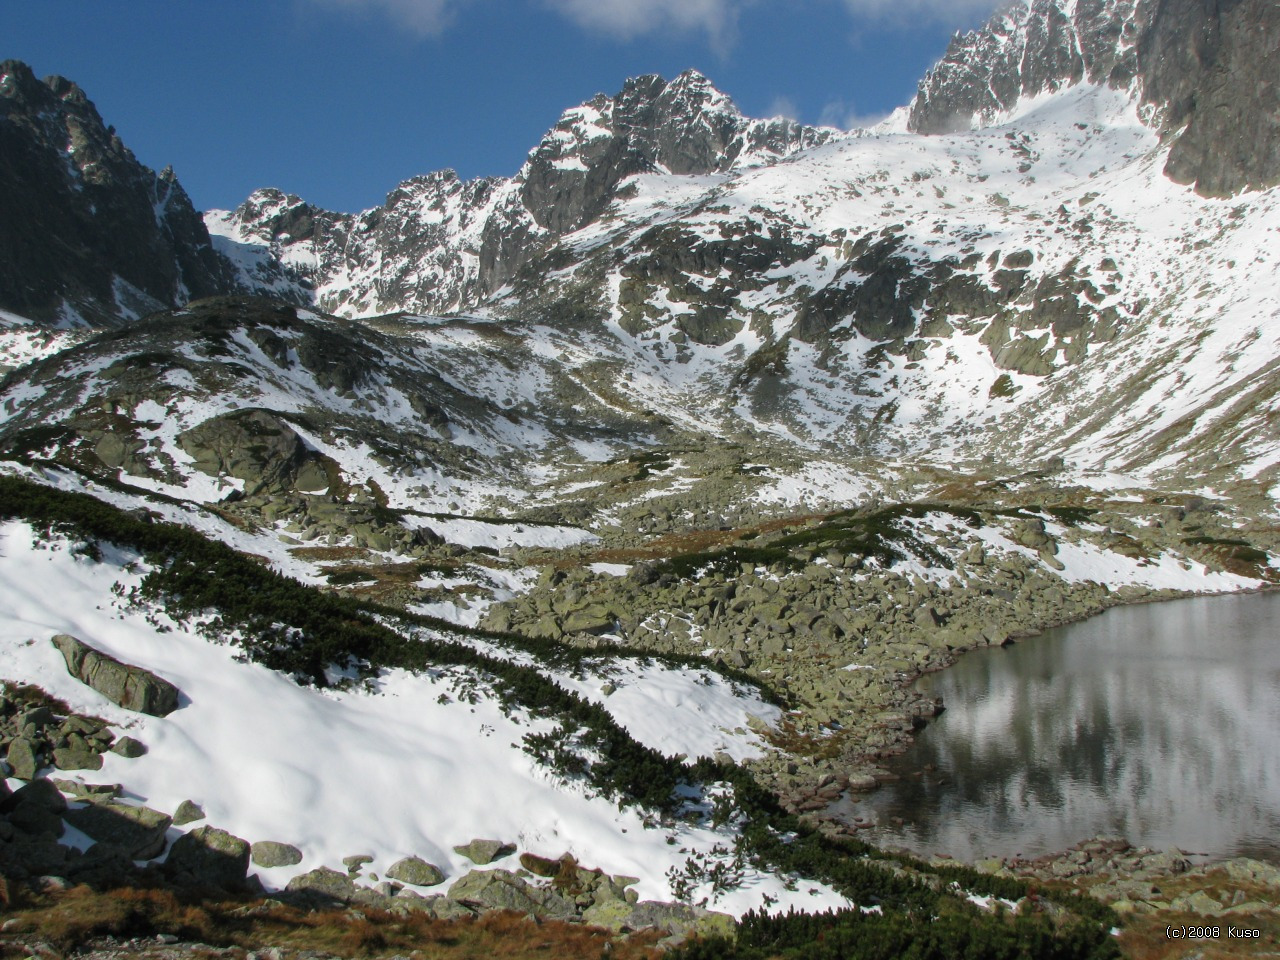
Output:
(269, 853)
(36, 809)
(129, 748)
(123, 684)
(416, 871)
(502, 890)
(187, 812)
(137, 831)
(209, 857)
(22, 757)
(323, 884)
(484, 852)
(77, 757)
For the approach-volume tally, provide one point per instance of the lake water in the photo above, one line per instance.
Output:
(1159, 723)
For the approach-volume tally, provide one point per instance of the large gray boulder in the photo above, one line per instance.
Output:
(209, 857)
(324, 884)
(137, 831)
(417, 871)
(503, 890)
(35, 810)
(269, 853)
(123, 684)
(23, 759)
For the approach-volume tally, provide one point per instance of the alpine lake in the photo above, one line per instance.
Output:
(1158, 723)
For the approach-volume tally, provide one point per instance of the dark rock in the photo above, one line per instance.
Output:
(209, 857)
(323, 885)
(123, 684)
(129, 747)
(36, 810)
(136, 830)
(85, 229)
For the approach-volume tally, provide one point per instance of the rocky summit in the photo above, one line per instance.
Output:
(611, 509)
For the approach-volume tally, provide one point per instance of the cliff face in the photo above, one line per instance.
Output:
(87, 233)
(1205, 67)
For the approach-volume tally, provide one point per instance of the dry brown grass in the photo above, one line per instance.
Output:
(677, 544)
(70, 919)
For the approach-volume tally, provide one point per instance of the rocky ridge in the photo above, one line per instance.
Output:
(88, 235)
(439, 244)
(1180, 57)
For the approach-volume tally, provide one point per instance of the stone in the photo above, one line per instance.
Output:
(36, 809)
(417, 871)
(138, 831)
(269, 853)
(484, 852)
(324, 884)
(356, 862)
(76, 758)
(187, 812)
(22, 758)
(502, 890)
(129, 747)
(123, 684)
(209, 857)
(539, 866)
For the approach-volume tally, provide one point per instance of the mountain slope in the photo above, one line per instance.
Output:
(1204, 67)
(88, 235)
(441, 245)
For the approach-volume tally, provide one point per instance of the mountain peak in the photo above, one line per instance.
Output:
(1206, 71)
(138, 244)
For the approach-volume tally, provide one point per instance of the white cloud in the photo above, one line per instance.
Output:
(426, 18)
(951, 12)
(844, 115)
(626, 19)
(782, 106)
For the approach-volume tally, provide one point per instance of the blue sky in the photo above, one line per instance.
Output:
(339, 100)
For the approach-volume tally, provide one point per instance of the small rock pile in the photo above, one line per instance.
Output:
(34, 736)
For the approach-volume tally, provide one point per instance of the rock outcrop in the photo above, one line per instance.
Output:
(1206, 66)
(133, 688)
(87, 233)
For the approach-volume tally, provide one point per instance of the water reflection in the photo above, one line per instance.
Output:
(1160, 723)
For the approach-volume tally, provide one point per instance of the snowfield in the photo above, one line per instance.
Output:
(406, 768)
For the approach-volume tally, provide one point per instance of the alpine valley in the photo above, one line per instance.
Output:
(567, 544)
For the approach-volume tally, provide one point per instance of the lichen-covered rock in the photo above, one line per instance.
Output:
(138, 831)
(269, 853)
(502, 890)
(324, 884)
(484, 852)
(209, 857)
(125, 685)
(417, 871)
(129, 747)
(187, 812)
(22, 758)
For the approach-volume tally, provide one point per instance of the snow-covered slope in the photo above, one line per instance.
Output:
(439, 244)
(407, 765)
(1034, 286)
